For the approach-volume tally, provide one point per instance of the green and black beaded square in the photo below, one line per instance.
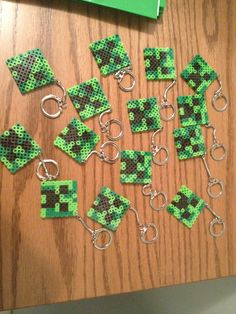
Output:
(108, 208)
(144, 114)
(88, 98)
(136, 167)
(17, 148)
(110, 54)
(186, 206)
(159, 63)
(192, 110)
(30, 70)
(77, 140)
(59, 199)
(198, 74)
(189, 142)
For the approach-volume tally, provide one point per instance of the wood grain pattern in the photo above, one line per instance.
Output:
(51, 261)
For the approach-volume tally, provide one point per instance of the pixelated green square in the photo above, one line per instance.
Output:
(186, 206)
(110, 54)
(108, 208)
(189, 142)
(198, 74)
(136, 167)
(17, 148)
(159, 63)
(30, 70)
(192, 110)
(77, 140)
(144, 114)
(88, 99)
(59, 199)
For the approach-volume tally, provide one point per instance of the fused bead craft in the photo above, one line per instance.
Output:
(144, 114)
(30, 70)
(192, 110)
(136, 167)
(77, 140)
(159, 63)
(189, 142)
(88, 98)
(108, 208)
(17, 148)
(59, 199)
(198, 74)
(110, 54)
(186, 206)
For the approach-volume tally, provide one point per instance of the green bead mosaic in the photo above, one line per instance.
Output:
(198, 74)
(159, 63)
(30, 70)
(77, 140)
(59, 199)
(192, 110)
(88, 98)
(186, 206)
(136, 167)
(17, 148)
(189, 142)
(144, 114)
(108, 208)
(110, 54)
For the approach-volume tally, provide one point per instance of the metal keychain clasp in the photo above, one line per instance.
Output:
(42, 165)
(61, 102)
(219, 95)
(216, 145)
(165, 104)
(217, 220)
(147, 190)
(119, 76)
(106, 127)
(103, 156)
(156, 149)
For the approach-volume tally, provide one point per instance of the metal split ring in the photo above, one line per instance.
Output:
(157, 149)
(107, 128)
(103, 156)
(213, 182)
(42, 164)
(95, 236)
(143, 232)
(212, 224)
(215, 98)
(155, 195)
(120, 76)
(216, 146)
(164, 105)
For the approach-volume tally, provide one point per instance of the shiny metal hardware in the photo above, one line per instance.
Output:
(216, 145)
(61, 102)
(217, 220)
(156, 149)
(106, 127)
(119, 76)
(103, 156)
(95, 234)
(42, 165)
(212, 182)
(147, 190)
(165, 104)
(143, 228)
(219, 95)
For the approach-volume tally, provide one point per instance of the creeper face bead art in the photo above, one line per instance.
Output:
(136, 167)
(109, 208)
(187, 206)
(59, 199)
(17, 148)
(144, 114)
(111, 57)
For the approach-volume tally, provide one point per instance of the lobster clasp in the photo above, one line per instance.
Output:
(119, 76)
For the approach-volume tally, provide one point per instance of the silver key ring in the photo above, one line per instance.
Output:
(119, 76)
(213, 182)
(216, 146)
(108, 125)
(42, 164)
(155, 195)
(143, 233)
(164, 105)
(217, 97)
(212, 224)
(95, 236)
(156, 150)
(105, 157)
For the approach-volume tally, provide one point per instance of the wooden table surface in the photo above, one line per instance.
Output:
(45, 261)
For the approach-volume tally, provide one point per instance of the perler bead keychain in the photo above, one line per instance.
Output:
(193, 111)
(136, 168)
(187, 206)
(111, 57)
(109, 208)
(78, 141)
(160, 65)
(189, 143)
(89, 100)
(199, 76)
(30, 71)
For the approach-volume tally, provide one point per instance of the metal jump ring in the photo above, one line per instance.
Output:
(215, 98)
(105, 157)
(212, 183)
(155, 195)
(120, 76)
(143, 233)
(212, 225)
(165, 104)
(108, 128)
(47, 175)
(157, 150)
(96, 235)
(216, 146)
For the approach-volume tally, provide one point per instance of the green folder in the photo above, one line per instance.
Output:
(149, 8)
